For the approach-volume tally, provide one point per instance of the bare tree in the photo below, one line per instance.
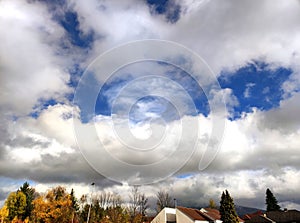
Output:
(138, 205)
(105, 199)
(134, 198)
(83, 201)
(163, 200)
(115, 201)
(115, 209)
(143, 204)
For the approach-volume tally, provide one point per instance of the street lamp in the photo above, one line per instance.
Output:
(88, 217)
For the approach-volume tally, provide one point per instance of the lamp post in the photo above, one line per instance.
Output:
(88, 217)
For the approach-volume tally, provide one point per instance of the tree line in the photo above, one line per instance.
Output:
(58, 206)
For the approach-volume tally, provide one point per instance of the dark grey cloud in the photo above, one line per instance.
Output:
(68, 168)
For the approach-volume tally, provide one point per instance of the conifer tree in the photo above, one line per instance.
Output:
(29, 193)
(227, 209)
(271, 201)
(75, 205)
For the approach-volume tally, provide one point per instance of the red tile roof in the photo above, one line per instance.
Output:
(275, 216)
(215, 214)
(259, 219)
(249, 216)
(284, 216)
(194, 214)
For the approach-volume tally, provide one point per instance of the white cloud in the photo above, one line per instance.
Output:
(285, 118)
(227, 35)
(30, 67)
(247, 93)
(231, 34)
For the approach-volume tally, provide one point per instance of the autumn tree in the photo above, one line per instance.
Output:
(16, 205)
(227, 209)
(116, 211)
(96, 212)
(106, 208)
(83, 213)
(163, 200)
(54, 207)
(3, 214)
(271, 201)
(212, 204)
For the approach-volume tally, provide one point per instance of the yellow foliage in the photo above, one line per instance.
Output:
(54, 207)
(3, 214)
(16, 204)
(16, 220)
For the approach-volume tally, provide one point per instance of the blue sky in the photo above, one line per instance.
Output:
(48, 47)
(256, 86)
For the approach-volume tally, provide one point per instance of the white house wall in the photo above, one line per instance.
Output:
(167, 214)
(160, 218)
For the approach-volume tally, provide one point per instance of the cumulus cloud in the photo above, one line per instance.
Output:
(209, 28)
(233, 33)
(284, 118)
(30, 67)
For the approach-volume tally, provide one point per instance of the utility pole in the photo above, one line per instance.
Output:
(88, 217)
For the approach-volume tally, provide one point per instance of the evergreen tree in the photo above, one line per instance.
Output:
(227, 209)
(74, 200)
(30, 195)
(75, 205)
(271, 201)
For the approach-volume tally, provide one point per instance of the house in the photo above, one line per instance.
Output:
(166, 215)
(286, 216)
(188, 215)
(249, 216)
(259, 219)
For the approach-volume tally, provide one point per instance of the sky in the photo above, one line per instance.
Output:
(191, 97)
